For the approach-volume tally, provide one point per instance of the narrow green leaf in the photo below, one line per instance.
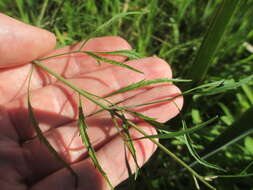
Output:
(129, 143)
(110, 22)
(172, 155)
(115, 18)
(99, 58)
(199, 90)
(196, 182)
(86, 141)
(140, 115)
(42, 13)
(182, 132)
(212, 39)
(227, 85)
(144, 83)
(202, 90)
(84, 93)
(131, 54)
(126, 137)
(43, 139)
(210, 178)
(194, 153)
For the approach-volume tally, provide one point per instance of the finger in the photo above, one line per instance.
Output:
(111, 158)
(22, 43)
(163, 111)
(68, 143)
(13, 82)
(55, 105)
(74, 64)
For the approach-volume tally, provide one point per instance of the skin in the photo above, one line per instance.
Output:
(26, 163)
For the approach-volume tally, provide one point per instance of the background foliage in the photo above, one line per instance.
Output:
(172, 30)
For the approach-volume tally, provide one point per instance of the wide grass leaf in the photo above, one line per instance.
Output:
(212, 39)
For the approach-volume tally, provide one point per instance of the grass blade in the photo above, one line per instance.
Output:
(226, 85)
(144, 83)
(99, 58)
(84, 93)
(110, 21)
(86, 141)
(42, 13)
(212, 39)
(182, 132)
(194, 153)
(173, 156)
(43, 139)
(150, 120)
(131, 54)
(210, 88)
(115, 18)
(131, 176)
(129, 143)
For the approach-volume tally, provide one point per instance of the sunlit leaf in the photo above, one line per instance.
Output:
(131, 54)
(212, 39)
(117, 17)
(194, 153)
(43, 139)
(227, 85)
(144, 83)
(86, 141)
(113, 62)
(182, 132)
(110, 22)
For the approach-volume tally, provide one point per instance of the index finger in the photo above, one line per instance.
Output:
(21, 43)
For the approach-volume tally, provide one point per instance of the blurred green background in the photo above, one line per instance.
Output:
(172, 30)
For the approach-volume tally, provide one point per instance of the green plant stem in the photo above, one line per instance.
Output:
(42, 138)
(86, 141)
(163, 148)
(80, 91)
(89, 96)
(58, 55)
(229, 176)
(42, 13)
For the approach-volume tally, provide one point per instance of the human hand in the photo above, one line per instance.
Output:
(24, 161)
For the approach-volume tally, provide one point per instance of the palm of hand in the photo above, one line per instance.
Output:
(25, 162)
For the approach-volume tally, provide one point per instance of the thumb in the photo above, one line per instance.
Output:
(21, 43)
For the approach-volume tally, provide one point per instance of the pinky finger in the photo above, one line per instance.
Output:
(112, 159)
